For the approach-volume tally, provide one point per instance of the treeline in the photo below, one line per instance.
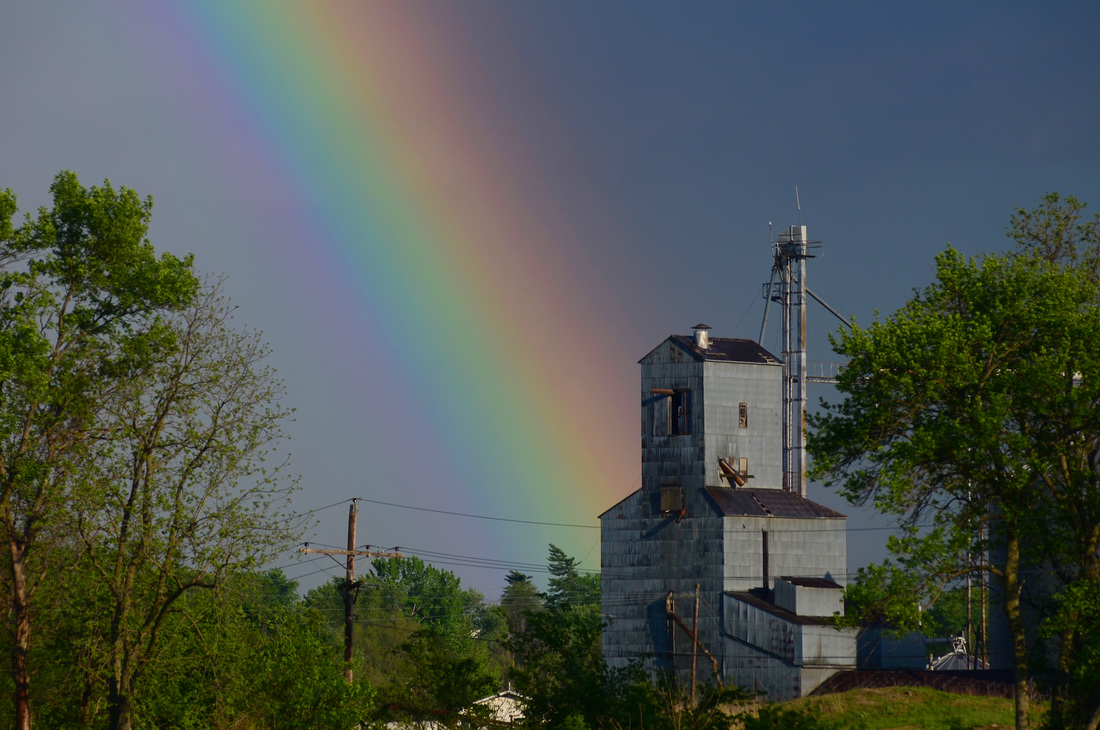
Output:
(426, 650)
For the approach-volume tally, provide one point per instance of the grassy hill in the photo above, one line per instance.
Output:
(910, 707)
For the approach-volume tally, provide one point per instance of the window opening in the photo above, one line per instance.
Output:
(672, 499)
(679, 413)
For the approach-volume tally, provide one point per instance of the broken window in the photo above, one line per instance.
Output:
(743, 415)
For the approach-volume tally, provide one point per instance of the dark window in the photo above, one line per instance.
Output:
(672, 499)
(679, 413)
(743, 415)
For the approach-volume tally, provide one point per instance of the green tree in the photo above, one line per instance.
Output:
(975, 403)
(422, 641)
(67, 658)
(179, 489)
(80, 291)
(519, 598)
(562, 669)
(1058, 231)
(568, 586)
(248, 654)
(1077, 618)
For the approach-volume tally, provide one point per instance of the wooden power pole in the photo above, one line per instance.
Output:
(694, 643)
(350, 587)
(694, 634)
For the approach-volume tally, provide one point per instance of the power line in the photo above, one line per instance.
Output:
(477, 517)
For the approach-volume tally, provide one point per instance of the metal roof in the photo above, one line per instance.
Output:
(769, 503)
(724, 349)
(774, 610)
(807, 582)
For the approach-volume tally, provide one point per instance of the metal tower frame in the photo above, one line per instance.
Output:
(790, 250)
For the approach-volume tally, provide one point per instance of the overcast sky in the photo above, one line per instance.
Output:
(460, 225)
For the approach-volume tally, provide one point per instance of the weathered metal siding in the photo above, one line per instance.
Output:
(758, 671)
(878, 649)
(781, 657)
(816, 548)
(760, 388)
(807, 600)
(669, 460)
(801, 644)
(647, 552)
(645, 555)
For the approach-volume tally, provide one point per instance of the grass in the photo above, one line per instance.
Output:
(914, 707)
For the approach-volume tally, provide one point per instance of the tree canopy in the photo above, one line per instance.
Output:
(136, 429)
(977, 405)
(81, 291)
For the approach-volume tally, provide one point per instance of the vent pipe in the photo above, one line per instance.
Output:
(702, 341)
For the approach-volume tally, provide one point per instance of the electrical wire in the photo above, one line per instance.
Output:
(477, 517)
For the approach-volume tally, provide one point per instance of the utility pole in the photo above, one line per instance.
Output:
(694, 643)
(350, 587)
(693, 634)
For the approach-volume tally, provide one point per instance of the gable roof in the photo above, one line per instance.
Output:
(722, 349)
(769, 503)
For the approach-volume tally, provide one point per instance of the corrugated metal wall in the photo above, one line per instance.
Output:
(804, 548)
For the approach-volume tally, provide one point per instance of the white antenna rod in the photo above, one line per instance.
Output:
(798, 203)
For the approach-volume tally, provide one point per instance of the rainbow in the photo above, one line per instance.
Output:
(425, 243)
